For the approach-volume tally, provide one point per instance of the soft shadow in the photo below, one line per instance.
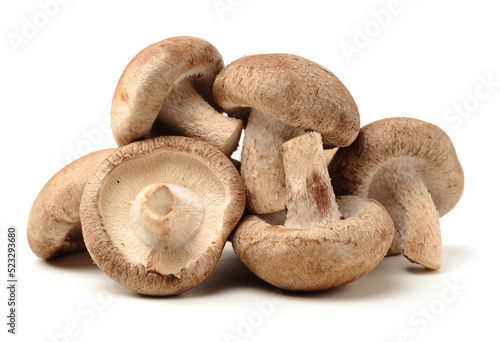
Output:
(77, 260)
(420, 270)
(386, 280)
(454, 257)
(376, 284)
(229, 274)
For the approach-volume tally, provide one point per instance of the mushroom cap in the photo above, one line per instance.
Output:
(150, 75)
(423, 144)
(109, 195)
(293, 89)
(53, 226)
(315, 259)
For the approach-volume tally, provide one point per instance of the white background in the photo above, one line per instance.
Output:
(426, 59)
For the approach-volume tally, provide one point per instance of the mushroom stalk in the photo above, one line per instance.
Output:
(399, 187)
(261, 163)
(310, 200)
(166, 216)
(185, 112)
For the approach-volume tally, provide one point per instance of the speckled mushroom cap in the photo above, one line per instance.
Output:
(423, 144)
(284, 95)
(318, 258)
(164, 90)
(411, 167)
(321, 241)
(53, 226)
(293, 89)
(156, 215)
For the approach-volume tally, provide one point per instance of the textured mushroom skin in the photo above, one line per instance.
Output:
(353, 168)
(294, 89)
(411, 167)
(261, 165)
(148, 77)
(295, 92)
(136, 276)
(53, 226)
(399, 188)
(316, 258)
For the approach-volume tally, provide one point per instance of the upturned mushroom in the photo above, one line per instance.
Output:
(157, 213)
(320, 241)
(411, 167)
(53, 226)
(284, 96)
(166, 89)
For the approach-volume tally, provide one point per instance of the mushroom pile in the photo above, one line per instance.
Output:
(314, 203)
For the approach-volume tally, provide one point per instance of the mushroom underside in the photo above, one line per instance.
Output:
(125, 183)
(186, 112)
(400, 186)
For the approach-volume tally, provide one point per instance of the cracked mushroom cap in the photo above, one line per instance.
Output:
(166, 89)
(157, 213)
(411, 167)
(53, 226)
(293, 89)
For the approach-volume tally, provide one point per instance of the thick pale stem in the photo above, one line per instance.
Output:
(261, 163)
(310, 200)
(166, 216)
(185, 112)
(399, 187)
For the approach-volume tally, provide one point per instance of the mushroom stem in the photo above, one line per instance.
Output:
(399, 187)
(261, 163)
(166, 216)
(310, 199)
(185, 112)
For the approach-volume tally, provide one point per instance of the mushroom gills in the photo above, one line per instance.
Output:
(166, 216)
(126, 181)
(399, 186)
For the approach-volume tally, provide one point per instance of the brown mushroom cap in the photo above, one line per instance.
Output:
(406, 161)
(156, 215)
(319, 243)
(293, 89)
(425, 145)
(53, 226)
(318, 258)
(285, 95)
(164, 90)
